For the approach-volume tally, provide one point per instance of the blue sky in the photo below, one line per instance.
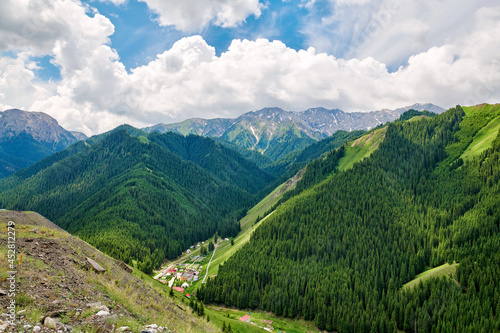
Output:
(96, 64)
(138, 38)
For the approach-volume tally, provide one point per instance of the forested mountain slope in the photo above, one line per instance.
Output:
(139, 198)
(339, 252)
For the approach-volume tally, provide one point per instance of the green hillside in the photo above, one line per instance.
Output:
(136, 199)
(293, 162)
(54, 281)
(340, 252)
(485, 137)
(361, 148)
(446, 270)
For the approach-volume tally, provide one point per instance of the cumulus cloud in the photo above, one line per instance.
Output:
(389, 30)
(194, 15)
(96, 93)
(19, 87)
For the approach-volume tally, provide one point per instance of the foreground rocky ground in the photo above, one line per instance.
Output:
(57, 290)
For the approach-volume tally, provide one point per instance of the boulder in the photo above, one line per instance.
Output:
(95, 266)
(102, 313)
(50, 323)
(36, 329)
(125, 267)
(123, 329)
(103, 308)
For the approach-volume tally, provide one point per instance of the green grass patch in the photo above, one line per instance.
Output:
(361, 148)
(482, 140)
(263, 206)
(279, 324)
(443, 270)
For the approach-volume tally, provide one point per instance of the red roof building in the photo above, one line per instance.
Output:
(245, 318)
(179, 289)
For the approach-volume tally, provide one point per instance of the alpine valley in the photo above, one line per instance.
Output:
(321, 220)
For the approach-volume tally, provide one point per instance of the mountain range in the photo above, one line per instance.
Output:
(27, 137)
(390, 229)
(274, 132)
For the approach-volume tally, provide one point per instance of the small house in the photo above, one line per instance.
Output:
(179, 289)
(245, 318)
(185, 285)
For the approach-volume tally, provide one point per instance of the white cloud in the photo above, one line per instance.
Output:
(390, 30)
(19, 87)
(194, 15)
(96, 93)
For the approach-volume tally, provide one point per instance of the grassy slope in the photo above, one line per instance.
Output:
(443, 270)
(137, 295)
(263, 206)
(248, 225)
(361, 148)
(484, 138)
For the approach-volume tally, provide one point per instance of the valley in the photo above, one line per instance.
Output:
(292, 261)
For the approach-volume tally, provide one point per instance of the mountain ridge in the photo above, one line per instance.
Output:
(275, 132)
(27, 137)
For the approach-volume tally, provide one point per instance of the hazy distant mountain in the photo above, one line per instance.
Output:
(27, 137)
(275, 132)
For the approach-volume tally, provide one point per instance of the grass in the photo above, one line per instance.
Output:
(263, 206)
(443, 270)
(482, 140)
(280, 324)
(361, 148)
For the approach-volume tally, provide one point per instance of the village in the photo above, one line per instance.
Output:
(191, 268)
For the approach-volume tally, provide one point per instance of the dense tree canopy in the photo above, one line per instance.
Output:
(340, 252)
(140, 198)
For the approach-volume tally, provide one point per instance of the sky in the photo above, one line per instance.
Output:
(96, 64)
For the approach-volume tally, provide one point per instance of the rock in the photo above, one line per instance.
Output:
(50, 323)
(95, 266)
(95, 305)
(37, 329)
(36, 230)
(123, 329)
(152, 326)
(27, 327)
(2, 292)
(126, 267)
(103, 308)
(149, 330)
(21, 313)
(102, 313)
